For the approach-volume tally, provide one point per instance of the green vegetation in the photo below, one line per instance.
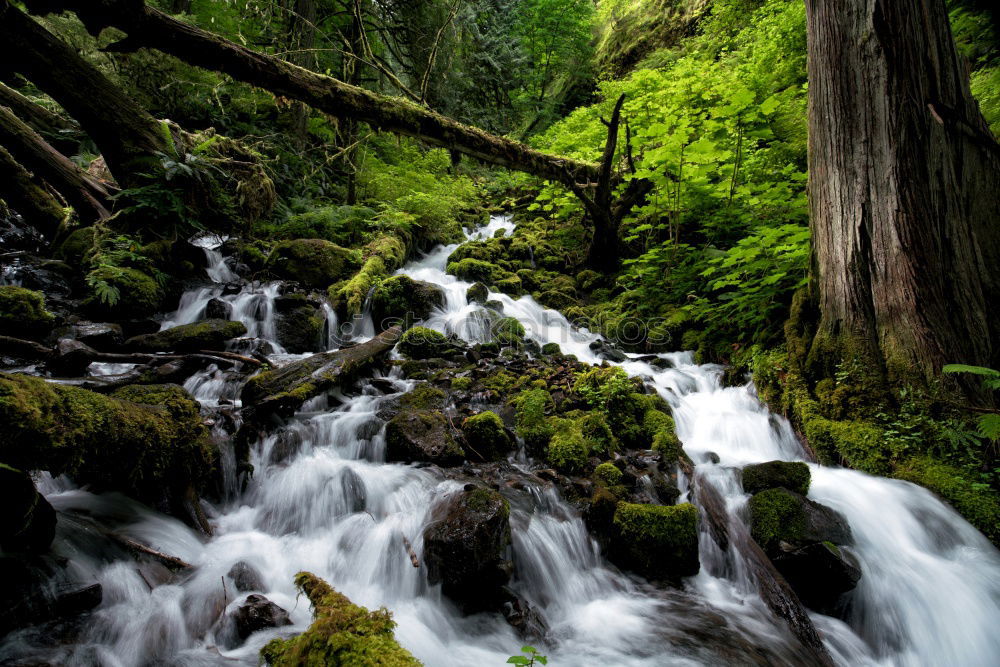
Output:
(659, 541)
(532, 424)
(423, 343)
(23, 313)
(486, 435)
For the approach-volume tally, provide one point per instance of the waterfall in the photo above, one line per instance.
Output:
(323, 499)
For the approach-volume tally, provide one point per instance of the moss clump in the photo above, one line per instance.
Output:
(509, 284)
(659, 541)
(313, 262)
(79, 242)
(597, 433)
(342, 633)
(206, 334)
(423, 397)
(608, 474)
(550, 349)
(486, 436)
(973, 501)
(403, 298)
(143, 440)
(478, 293)
(461, 383)
(568, 449)
(423, 343)
(474, 270)
(793, 476)
(501, 382)
(610, 390)
(139, 295)
(23, 313)
(776, 515)
(532, 424)
(508, 331)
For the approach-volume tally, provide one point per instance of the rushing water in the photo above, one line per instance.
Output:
(322, 499)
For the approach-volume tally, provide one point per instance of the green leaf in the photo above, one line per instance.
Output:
(975, 370)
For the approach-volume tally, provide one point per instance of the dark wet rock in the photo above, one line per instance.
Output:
(466, 548)
(257, 613)
(478, 293)
(523, 617)
(245, 577)
(217, 309)
(606, 350)
(383, 385)
(286, 446)
(28, 522)
(78, 601)
(422, 435)
(793, 476)
(712, 457)
(301, 329)
(820, 573)
(204, 335)
(103, 336)
(71, 358)
(657, 541)
(779, 515)
(401, 298)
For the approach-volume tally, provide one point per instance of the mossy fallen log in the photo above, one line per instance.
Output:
(284, 390)
(146, 441)
(342, 633)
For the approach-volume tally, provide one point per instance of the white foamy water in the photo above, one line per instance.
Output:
(323, 499)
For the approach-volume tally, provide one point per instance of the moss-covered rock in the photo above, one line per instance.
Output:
(401, 298)
(551, 349)
(28, 522)
(509, 284)
(608, 474)
(465, 548)
(486, 436)
(301, 329)
(478, 293)
(424, 343)
(568, 450)
(148, 441)
(313, 262)
(138, 294)
(793, 476)
(657, 541)
(422, 436)
(597, 433)
(532, 424)
(779, 515)
(508, 331)
(77, 244)
(474, 270)
(203, 335)
(343, 634)
(977, 504)
(23, 313)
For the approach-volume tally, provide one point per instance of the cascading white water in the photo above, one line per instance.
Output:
(323, 500)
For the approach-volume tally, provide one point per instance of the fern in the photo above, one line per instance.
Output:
(989, 426)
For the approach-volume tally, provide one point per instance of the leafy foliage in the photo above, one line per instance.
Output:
(530, 657)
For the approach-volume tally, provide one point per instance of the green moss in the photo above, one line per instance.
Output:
(478, 293)
(594, 427)
(474, 270)
(461, 383)
(776, 515)
(509, 285)
(401, 298)
(313, 262)
(976, 502)
(423, 397)
(551, 349)
(79, 242)
(568, 450)
(793, 476)
(139, 295)
(423, 343)
(508, 331)
(206, 334)
(23, 313)
(487, 436)
(608, 474)
(342, 633)
(658, 540)
(489, 251)
(532, 424)
(142, 440)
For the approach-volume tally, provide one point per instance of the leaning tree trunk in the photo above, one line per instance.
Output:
(81, 190)
(126, 134)
(904, 175)
(24, 194)
(63, 134)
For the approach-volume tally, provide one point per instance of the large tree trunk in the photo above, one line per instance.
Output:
(25, 195)
(904, 176)
(124, 132)
(301, 40)
(58, 131)
(83, 192)
(148, 27)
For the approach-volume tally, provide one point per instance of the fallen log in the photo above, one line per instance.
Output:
(150, 28)
(22, 191)
(283, 390)
(62, 133)
(138, 548)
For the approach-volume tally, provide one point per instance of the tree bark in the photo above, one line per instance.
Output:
(126, 134)
(83, 192)
(57, 130)
(148, 27)
(904, 175)
(301, 40)
(35, 204)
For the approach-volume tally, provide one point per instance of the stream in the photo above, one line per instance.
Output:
(322, 499)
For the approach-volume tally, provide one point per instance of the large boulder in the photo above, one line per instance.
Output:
(102, 336)
(313, 262)
(478, 293)
(28, 522)
(123, 293)
(204, 335)
(342, 634)
(255, 614)
(466, 548)
(804, 540)
(424, 343)
(300, 323)
(401, 298)
(23, 313)
(422, 435)
(793, 476)
(657, 541)
(487, 437)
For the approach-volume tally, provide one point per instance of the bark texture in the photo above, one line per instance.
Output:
(57, 130)
(904, 176)
(83, 192)
(148, 27)
(20, 189)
